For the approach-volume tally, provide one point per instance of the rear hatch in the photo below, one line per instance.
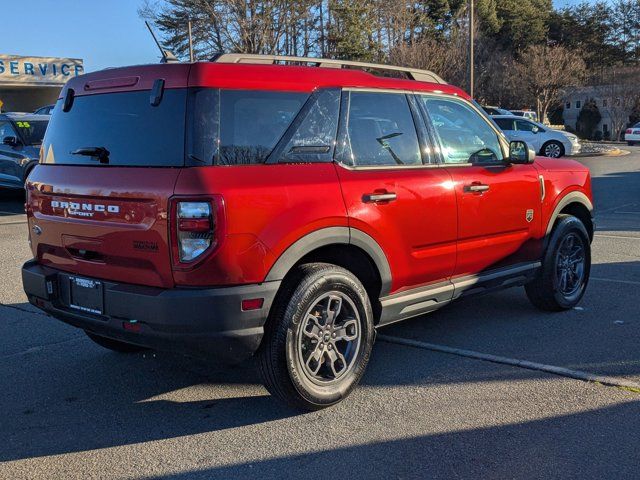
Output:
(98, 203)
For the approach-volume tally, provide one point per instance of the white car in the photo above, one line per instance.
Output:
(544, 140)
(632, 135)
(530, 114)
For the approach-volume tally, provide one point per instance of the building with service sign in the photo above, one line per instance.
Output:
(27, 83)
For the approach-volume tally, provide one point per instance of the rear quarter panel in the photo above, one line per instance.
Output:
(268, 208)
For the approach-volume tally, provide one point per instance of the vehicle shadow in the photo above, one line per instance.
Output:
(583, 445)
(104, 399)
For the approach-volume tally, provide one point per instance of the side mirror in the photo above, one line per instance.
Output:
(11, 141)
(519, 152)
(535, 129)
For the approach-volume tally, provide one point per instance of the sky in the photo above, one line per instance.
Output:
(104, 33)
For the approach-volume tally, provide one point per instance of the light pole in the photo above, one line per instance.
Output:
(471, 41)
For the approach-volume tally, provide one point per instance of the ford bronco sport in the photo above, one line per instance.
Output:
(286, 208)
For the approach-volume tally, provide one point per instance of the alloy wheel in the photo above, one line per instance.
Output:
(570, 265)
(552, 150)
(329, 338)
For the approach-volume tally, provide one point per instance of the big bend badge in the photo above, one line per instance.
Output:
(529, 215)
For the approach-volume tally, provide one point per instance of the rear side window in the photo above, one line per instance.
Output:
(31, 131)
(238, 127)
(381, 130)
(504, 123)
(134, 132)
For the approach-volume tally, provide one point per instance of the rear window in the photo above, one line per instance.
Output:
(31, 131)
(238, 127)
(134, 132)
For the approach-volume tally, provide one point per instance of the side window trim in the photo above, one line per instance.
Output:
(278, 151)
(437, 141)
(425, 139)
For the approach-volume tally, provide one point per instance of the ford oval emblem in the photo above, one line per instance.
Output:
(36, 229)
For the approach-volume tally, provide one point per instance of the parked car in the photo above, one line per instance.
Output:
(238, 208)
(495, 110)
(529, 114)
(46, 110)
(632, 135)
(544, 140)
(20, 139)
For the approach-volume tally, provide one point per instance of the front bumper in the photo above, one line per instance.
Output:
(204, 322)
(572, 148)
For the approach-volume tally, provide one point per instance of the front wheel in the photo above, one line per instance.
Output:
(564, 275)
(552, 149)
(318, 338)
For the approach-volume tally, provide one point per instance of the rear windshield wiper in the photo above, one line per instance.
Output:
(101, 153)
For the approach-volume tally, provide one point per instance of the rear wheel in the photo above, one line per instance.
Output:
(114, 345)
(564, 275)
(552, 149)
(318, 338)
(631, 144)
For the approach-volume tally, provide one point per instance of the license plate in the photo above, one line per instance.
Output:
(86, 295)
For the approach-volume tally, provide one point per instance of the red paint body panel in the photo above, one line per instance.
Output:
(417, 231)
(433, 230)
(493, 230)
(245, 77)
(129, 246)
(268, 208)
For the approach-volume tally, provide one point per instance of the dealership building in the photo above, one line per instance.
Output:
(27, 83)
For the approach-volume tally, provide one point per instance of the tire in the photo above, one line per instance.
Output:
(548, 291)
(306, 360)
(114, 345)
(552, 149)
(631, 144)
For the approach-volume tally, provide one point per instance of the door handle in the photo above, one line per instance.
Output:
(379, 197)
(476, 188)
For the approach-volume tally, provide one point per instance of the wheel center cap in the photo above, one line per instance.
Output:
(326, 337)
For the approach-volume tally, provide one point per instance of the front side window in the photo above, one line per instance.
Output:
(381, 130)
(465, 136)
(6, 130)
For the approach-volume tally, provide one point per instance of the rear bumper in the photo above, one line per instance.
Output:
(196, 321)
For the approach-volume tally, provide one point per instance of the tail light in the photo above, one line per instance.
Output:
(629, 130)
(197, 229)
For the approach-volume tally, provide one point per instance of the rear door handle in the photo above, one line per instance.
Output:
(476, 188)
(379, 197)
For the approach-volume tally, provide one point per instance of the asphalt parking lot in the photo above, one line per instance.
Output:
(72, 409)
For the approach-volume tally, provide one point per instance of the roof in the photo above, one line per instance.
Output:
(18, 116)
(243, 76)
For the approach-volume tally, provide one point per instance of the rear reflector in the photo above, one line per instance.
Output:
(134, 327)
(252, 304)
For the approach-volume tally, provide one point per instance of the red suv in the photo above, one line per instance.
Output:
(287, 207)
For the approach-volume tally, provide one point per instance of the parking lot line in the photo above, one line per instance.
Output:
(614, 280)
(23, 222)
(616, 236)
(564, 372)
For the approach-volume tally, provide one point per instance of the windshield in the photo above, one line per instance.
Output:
(31, 132)
(123, 126)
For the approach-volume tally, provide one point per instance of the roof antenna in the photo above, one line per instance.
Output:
(167, 56)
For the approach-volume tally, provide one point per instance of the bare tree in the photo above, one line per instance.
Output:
(545, 71)
(619, 92)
